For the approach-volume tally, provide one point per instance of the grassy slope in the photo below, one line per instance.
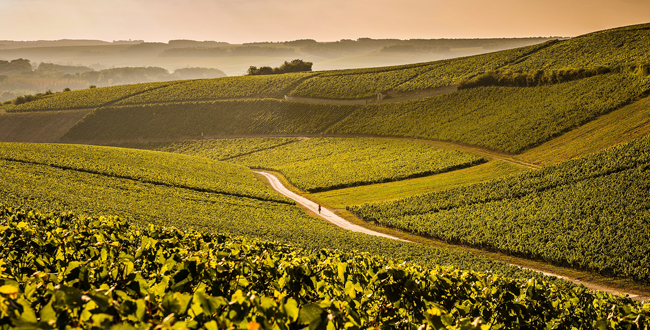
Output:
(381, 192)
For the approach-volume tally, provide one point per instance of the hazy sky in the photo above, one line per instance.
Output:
(239, 21)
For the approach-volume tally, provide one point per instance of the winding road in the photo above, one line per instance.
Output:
(326, 214)
(330, 216)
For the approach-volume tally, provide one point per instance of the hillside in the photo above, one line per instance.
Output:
(534, 158)
(588, 213)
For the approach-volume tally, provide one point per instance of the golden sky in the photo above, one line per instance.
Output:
(238, 21)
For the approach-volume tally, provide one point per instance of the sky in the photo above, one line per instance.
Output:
(238, 21)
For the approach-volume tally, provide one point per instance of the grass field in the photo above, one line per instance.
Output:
(340, 198)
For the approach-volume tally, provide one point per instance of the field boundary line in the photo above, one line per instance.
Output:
(260, 150)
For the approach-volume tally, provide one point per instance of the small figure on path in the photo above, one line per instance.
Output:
(319, 209)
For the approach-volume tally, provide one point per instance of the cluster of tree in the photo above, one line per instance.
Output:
(347, 47)
(234, 51)
(18, 78)
(15, 66)
(293, 66)
(541, 77)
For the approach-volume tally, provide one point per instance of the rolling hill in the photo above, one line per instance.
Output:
(548, 165)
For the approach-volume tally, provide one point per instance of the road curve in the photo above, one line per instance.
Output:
(335, 219)
(326, 214)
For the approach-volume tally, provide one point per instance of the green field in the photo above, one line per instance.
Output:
(222, 88)
(587, 213)
(381, 192)
(110, 272)
(329, 163)
(510, 119)
(86, 98)
(211, 119)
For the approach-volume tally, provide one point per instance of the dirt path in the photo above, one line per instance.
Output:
(326, 214)
(330, 216)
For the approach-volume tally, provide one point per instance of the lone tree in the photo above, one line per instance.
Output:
(293, 66)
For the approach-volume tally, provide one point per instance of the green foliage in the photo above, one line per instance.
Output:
(504, 118)
(55, 189)
(144, 166)
(296, 65)
(86, 98)
(217, 118)
(218, 149)
(330, 163)
(221, 88)
(589, 213)
(604, 48)
(365, 83)
(59, 270)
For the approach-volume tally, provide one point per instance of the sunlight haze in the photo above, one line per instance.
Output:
(264, 20)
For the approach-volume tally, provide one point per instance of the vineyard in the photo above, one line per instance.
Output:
(329, 163)
(60, 269)
(503, 118)
(144, 166)
(194, 119)
(216, 149)
(86, 98)
(604, 48)
(588, 213)
(366, 83)
(221, 88)
(55, 189)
